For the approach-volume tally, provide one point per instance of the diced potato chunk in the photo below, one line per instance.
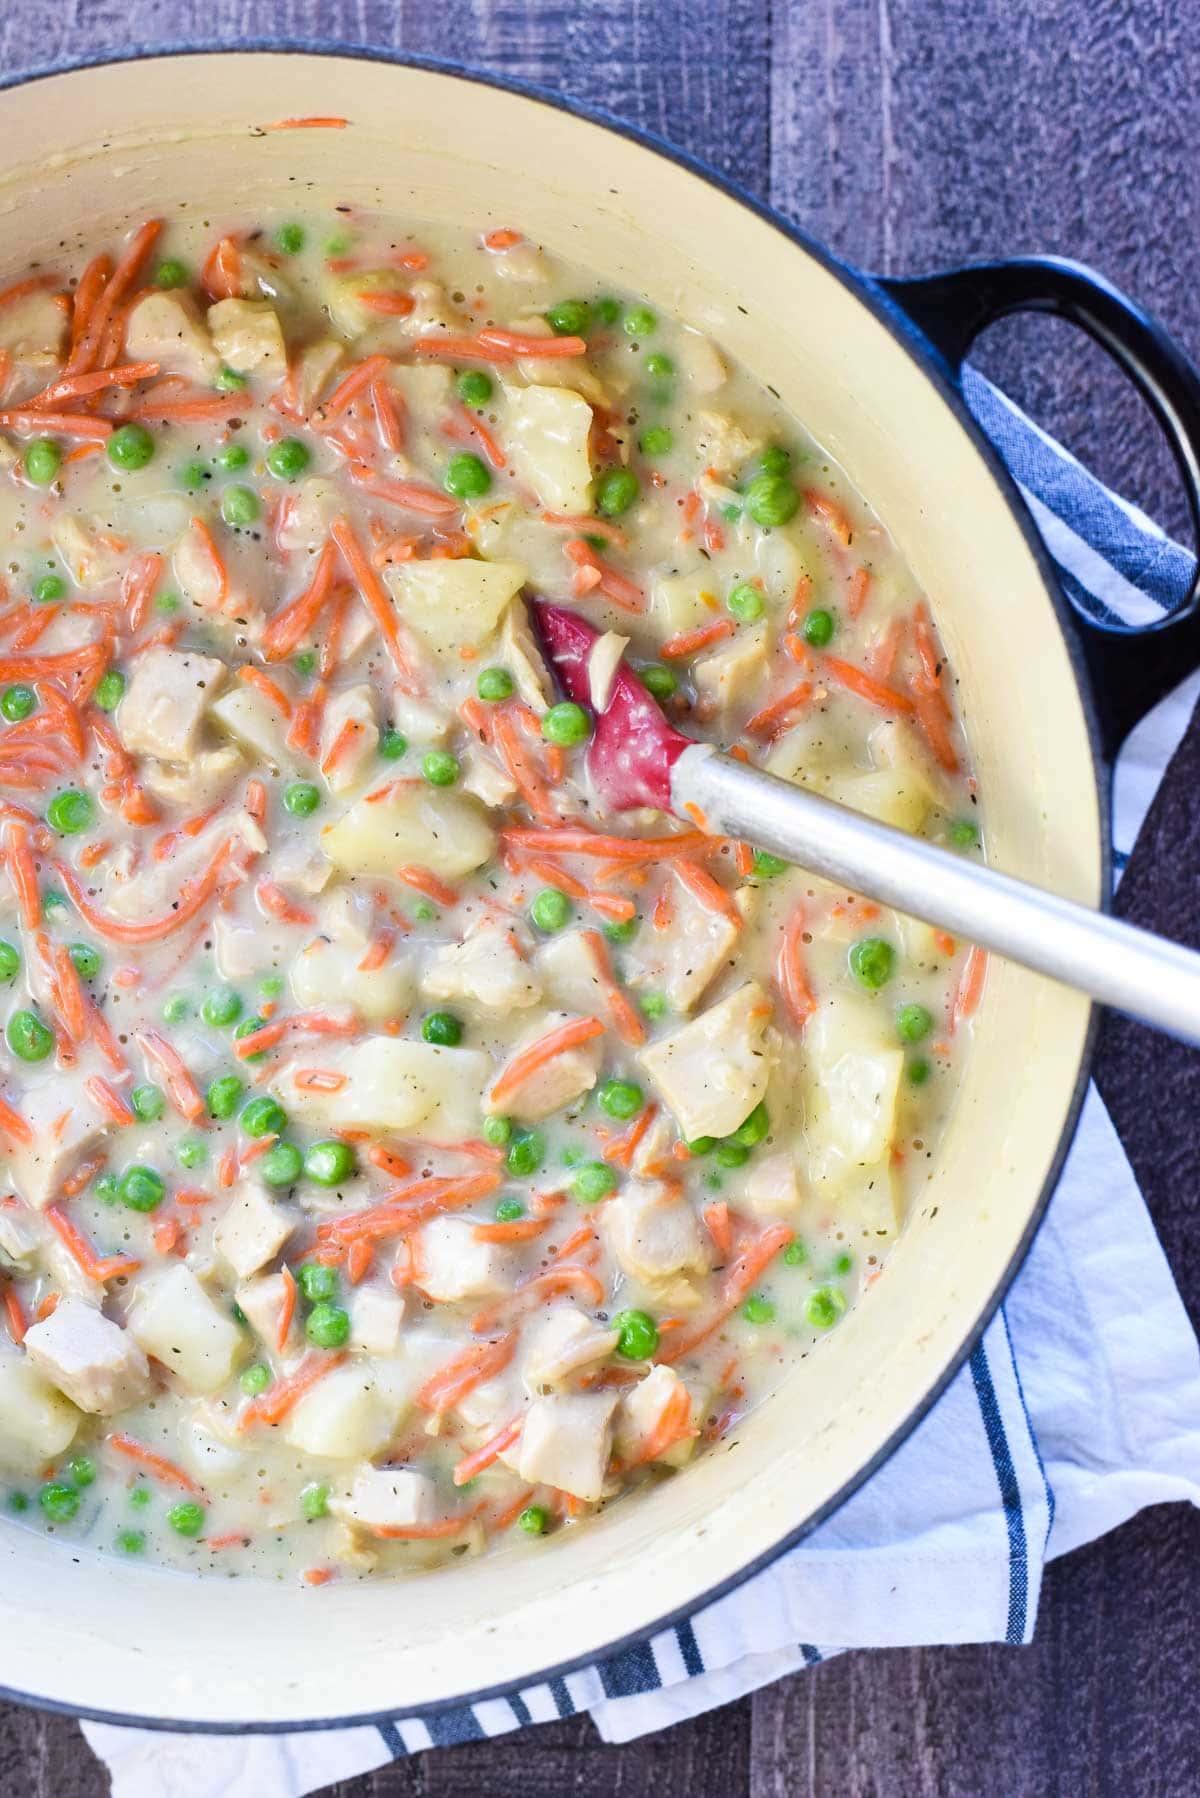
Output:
(654, 1233)
(546, 432)
(344, 1417)
(88, 556)
(771, 1187)
(376, 1314)
(869, 1200)
(389, 1497)
(349, 737)
(411, 825)
(252, 1230)
(713, 1072)
(21, 1236)
(452, 1264)
(701, 362)
(308, 513)
(96, 1363)
(254, 720)
(558, 1342)
(165, 702)
(485, 968)
(641, 1412)
(569, 974)
(853, 1071)
(174, 1320)
(681, 602)
(556, 1081)
(166, 328)
(566, 1442)
(328, 973)
(454, 604)
(36, 1422)
(393, 1083)
(248, 337)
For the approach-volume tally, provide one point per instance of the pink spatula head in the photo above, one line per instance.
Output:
(633, 748)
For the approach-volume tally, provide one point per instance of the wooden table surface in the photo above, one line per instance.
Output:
(908, 134)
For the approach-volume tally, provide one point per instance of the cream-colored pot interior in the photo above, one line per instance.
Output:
(123, 142)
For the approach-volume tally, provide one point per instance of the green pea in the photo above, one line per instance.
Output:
(167, 603)
(550, 910)
(913, 1022)
(843, 1263)
(305, 663)
(223, 1095)
(176, 1008)
(256, 1379)
(474, 387)
(110, 690)
(466, 477)
(290, 239)
(659, 367)
(824, 1306)
(495, 684)
(60, 1502)
(658, 681)
(130, 447)
(774, 460)
(329, 1163)
(767, 867)
(141, 1188)
(732, 1154)
(192, 1152)
(314, 1502)
(28, 1037)
(71, 812)
(328, 1326)
(570, 318)
(593, 1180)
(239, 507)
(443, 1029)
(606, 311)
(637, 1335)
(818, 628)
(107, 1189)
(10, 961)
(566, 724)
(147, 1103)
(498, 1131)
(193, 475)
(249, 1027)
(440, 768)
(753, 1129)
(43, 459)
(82, 1470)
(131, 1542)
(621, 1099)
(50, 589)
(171, 273)
(534, 1520)
(526, 1153)
(271, 985)
(424, 912)
(654, 1005)
(282, 1164)
(140, 1497)
(622, 930)
(222, 1006)
(872, 962)
(263, 1117)
(919, 1071)
(301, 799)
(616, 491)
(288, 458)
(17, 703)
(758, 1310)
(508, 1210)
(232, 455)
(317, 1284)
(639, 321)
(18, 1502)
(186, 1519)
(745, 603)
(771, 500)
(392, 745)
(229, 381)
(53, 900)
(795, 1254)
(964, 833)
(658, 440)
(702, 1145)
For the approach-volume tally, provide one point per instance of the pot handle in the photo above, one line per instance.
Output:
(1132, 666)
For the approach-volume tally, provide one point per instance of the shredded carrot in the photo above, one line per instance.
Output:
(315, 1576)
(23, 872)
(157, 1464)
(168, 1232)
(427, 1532)
(944, 942)
(447, 347)
(626, 1019)
(571, 1035)
(14, 1126)
(582, 524)
(488, 1453)
(221, 276)
(287, 1310)
(608, 580)
(311, 124)
(965, 1000)
(125, 272)
(389, 1162)
(513, 343)
(514, 1229)
(826, 508)
(24, 290)
(790, 972)
(766, 722)
(15, 1317)
(501, 240)
(408, 1208)
(536, 1292)
(746, 1270)
(289, 627)
(97, 1267)
(858, 681)
(270, 690)
(424, 880)
(711, 894)
(72, 387)
(182, 1089)
(686, 643)
(478, 1362)
(622, 1149)
(108, 1099)
(934, 717)
(579, 841)
(200, 527)
(273, 1405)
(276, 903)
(512, 752)
(319, 1080)
(720, 1228)
(371, 589)
(355, 381)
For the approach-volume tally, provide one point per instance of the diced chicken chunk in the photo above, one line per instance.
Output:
(166, 328)
(556, 1081)
(732, 676)
(654, 1233)
(394, 1083)
(252, 1230)
(486, 968)
(722, 444)
(701, 362)
(389, 1498)
(450, 1262)
(344, 1417)
(67, 1125)
(200, 782)
(349, 737)
(165, 702)
(88, 555)
(307, 515)
(681, 602)
(561, 1341)
(248, 337)
(36, 1422)
(21, 1236)
(326, 973)
(246, 949)
(682, 961)
(92, 1360)
(523, 659)
(376, 1314)
(569, 974)
(603, 663)
(521, 261)
(484, 778)
(318, 364)
(649, 1416)
(175, 1320)
(566, 1442)
(771, 1187)
(713, 1072)
(262, 1301)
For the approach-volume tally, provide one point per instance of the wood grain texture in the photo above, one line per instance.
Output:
(908, 134)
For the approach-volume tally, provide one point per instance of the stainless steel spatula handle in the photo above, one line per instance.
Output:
(1118, 964)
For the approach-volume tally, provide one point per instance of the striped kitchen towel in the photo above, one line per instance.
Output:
(1073, 1412)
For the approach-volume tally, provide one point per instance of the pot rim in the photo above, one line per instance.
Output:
(920, 350)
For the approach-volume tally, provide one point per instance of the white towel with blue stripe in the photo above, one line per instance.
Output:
(1075, 1410)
